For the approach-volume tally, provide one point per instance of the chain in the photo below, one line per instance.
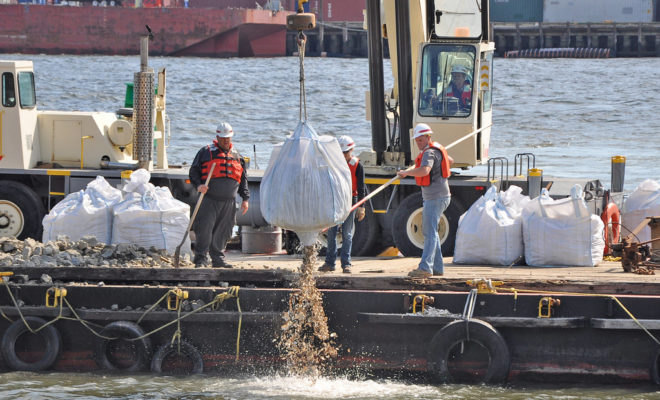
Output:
(302, 40)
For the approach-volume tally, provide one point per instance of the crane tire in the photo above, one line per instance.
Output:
(50, 334)
(407, 228)
(22, 209)
(366, 234)
(480, 332)
(124, 330)
(187, 350)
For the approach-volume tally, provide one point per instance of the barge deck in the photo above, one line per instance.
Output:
(369, 273)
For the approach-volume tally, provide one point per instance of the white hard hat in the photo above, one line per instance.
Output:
(224, 130)
(459, 68)
(346, 143)
(421, 130)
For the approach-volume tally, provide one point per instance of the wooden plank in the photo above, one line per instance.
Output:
(607, 323)
(114, 274)
(508, 322)
(369, 273)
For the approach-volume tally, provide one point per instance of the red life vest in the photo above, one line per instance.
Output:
(463, 98)
(227, 164)
(352, 165)
(444, 164)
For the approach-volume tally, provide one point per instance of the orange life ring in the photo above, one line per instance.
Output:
(612, 219)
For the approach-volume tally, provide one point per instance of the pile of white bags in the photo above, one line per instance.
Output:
(84, 213)
(643, 202)
(490, 232)
(562, 232)
(150, 216)
(307, 185)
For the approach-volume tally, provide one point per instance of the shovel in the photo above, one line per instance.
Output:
(177, 253)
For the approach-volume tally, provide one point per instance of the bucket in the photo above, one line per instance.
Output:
(267, 239)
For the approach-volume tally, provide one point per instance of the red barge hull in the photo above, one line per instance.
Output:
(32, 29)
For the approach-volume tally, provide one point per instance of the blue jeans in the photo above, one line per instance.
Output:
(432, 255)
(346, 242)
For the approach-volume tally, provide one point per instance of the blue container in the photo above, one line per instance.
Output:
(516, 10)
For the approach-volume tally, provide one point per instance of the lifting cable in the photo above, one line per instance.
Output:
(302, 40)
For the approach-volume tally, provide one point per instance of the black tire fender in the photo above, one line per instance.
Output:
(655, 368)
(400, 229)
(18, 199)
(187, 350)
(124, 330)
(51, 337)
(480, 332)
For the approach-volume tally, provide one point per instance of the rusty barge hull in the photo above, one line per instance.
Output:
(33, 29)
(583, 339)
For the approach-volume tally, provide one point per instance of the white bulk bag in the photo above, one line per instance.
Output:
(490, 231)
(307, 185)
(562, 232)
(643, 202)
(84, 213)
(150, 216)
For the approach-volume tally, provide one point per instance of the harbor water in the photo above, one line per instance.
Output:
(574, 114)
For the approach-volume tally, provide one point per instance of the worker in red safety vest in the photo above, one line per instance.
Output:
(432, 168)
(359, 190)
(459, 88)
(216, 217)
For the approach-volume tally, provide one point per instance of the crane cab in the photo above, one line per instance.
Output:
(452, 88)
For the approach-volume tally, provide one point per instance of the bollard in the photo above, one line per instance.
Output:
(618, 173)
(534, 179)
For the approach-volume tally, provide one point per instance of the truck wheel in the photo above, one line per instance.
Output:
(407, 226)
(291, 242)
(366, 233)
(21, 211)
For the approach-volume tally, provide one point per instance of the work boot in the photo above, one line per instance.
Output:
(326, 267)
(222, 264)
(346, 269)
(418, 273)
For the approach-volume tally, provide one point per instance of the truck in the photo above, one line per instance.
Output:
(44, 155)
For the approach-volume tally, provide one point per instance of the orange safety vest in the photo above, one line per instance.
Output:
(352, 165)
(227, 164)
(444, 165)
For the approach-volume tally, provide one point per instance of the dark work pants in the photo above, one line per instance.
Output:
(213, 227)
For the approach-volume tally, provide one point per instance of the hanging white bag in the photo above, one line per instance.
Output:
(562, 232)
(490, 231)
(150, 216)
(643, 202)
(307, 185)
(83, 213)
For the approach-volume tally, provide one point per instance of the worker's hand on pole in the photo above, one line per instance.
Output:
(202, 188)
(360, 213)
(244, 207)
(402, 173)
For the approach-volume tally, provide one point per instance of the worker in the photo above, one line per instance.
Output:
(216, 217)
(359, 190)
(432, 168)
(459, 87)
